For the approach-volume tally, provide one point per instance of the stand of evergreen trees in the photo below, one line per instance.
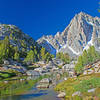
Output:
(33, 55)
(89, 56)
(41, 55)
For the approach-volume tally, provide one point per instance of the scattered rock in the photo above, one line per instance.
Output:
(22, 79)
(38, 69)
(61, 95)
(91, 90)
(6, 62)
(65, 78)
(6, 82)
(76, 93)
(32, 73)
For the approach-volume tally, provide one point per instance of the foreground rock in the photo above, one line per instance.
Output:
(61, 95)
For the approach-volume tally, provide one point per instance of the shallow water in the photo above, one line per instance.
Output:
(33, 94)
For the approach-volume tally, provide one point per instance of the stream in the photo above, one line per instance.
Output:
(26, 90)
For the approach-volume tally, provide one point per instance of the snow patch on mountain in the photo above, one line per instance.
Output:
(90, 23)
(77, 53)
(71, 49)
(90, 43)
(50, 47)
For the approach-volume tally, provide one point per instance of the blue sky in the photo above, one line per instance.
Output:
(42, 17)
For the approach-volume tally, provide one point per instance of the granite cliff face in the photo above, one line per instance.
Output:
(82, 32)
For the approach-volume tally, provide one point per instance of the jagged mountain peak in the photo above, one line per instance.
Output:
(82, 32)
(82, 14)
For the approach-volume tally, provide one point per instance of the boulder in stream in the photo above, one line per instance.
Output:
(43, 86)
(45, 80)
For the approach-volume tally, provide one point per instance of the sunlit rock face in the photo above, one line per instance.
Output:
(82, 32)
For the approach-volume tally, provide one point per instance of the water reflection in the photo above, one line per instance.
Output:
(25, 89)
(48, 95)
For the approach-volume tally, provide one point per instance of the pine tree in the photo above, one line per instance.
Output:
(16, 56)
(5, 48)
(91, 54)
(85, 57)
(43, 51)
(30, 57)
(11, 35)
(12, 52)
(47, 57)
(79, 66)
(58, 55)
